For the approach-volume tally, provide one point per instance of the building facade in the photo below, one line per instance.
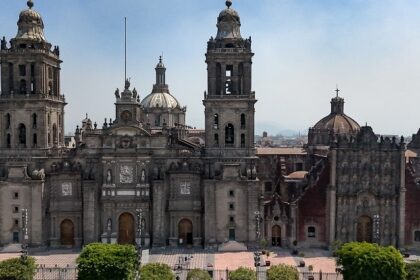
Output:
(146, 175)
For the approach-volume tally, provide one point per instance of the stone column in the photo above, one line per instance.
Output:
(294, 218)
(401, 233)
(332, 197)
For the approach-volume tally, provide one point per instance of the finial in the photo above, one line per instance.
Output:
(30, 4)
(86, 115)
(337, 90)
(228, 3)
(160, 59)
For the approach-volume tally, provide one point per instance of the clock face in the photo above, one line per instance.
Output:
(126, 116)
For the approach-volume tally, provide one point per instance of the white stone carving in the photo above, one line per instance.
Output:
(185, 188)
(66, 189)
(126, 193)
(126, 174)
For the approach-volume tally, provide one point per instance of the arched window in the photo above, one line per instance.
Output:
(229, 82)
(22, 134)
(54, 133)
(229, 134)
(35, 140)
(22, 86)
(311, 232)
(242, 140)
(8, 121)
(216, 121)
(218, 79)
(50, 88)
(8, 140)
(157, 120)
(216, 139)
(34, 120)
(243, 121)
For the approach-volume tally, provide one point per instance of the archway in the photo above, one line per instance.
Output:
(364, 229)
(276, 236)
(67, 233)
(185, 232)
(126, 229)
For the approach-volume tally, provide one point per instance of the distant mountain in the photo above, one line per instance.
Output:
(275, 129)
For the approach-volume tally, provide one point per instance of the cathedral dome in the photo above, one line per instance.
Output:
(30, 25)
(160, 100)
(228, 23)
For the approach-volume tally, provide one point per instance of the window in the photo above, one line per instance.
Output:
(32, 70)
(50, 88)
(49, 138)
(242, 140)
(15, 209)
(231, 219)
(229, 83)
(22, 70)
(34, 120)
(229, 70)
(15, 195)
(50, 75)
(231, 206)
(299, 166)
(8, 140)
(16, 222)
(231, 193)
(229, 134)
(268, 186)
(22, 134)
(8, 121)
(54, 133)
(216, 121)
(216, 139)
(311, 232)
(417, 236)
(243, 121)
(35, 140)
(22, 86)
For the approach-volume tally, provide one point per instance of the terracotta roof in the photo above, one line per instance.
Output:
(280, 151)
(410, 154)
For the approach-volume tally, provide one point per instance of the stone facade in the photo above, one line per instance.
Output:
(148, 177)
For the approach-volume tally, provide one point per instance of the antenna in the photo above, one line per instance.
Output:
(125, 49)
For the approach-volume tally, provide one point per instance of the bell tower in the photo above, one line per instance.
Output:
(229, 102)
(31, 105)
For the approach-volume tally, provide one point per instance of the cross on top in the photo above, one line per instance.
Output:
(337, 91)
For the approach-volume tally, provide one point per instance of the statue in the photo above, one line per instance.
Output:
(38, 174)
(134, 93)
(143, 176)
(109, 176)
(117, 93)
(3, 43)
(127, 84)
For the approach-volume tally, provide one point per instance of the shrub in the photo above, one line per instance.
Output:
(242, 273)
(198, 274)
(413, 270)
(17, 269)
(282, 272)
(107, 261)
(156, 271)
(360, 261)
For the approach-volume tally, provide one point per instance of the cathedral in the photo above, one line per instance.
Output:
(146, 176)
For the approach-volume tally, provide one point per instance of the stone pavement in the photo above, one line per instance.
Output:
(51, 258)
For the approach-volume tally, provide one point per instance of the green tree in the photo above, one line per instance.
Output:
(156, 271)
(198, 274)
(17, 269)
(242, 273)
(107, 261)
(413, 270)
(360, 261)
(282, 272)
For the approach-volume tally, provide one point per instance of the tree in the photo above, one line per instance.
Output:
(156, 271)
(360, 261)
(413, 270)
(17, 269)
(107, 261)
(198, 274)
(242, 273)
(282, 272)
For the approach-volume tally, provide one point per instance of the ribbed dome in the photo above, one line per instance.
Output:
(228, 23)
(160, 100)
(30, 25)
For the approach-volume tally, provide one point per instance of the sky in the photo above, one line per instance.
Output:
(303, 49)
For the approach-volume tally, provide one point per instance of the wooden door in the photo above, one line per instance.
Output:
(126, 229)
(67, 233)
(364, 229)
(185, 232)
(276, 236)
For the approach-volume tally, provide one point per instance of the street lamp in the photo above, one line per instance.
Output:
(257, 255)
(139, 214)
(24, 251)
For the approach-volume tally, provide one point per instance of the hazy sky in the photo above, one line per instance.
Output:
(370, 48)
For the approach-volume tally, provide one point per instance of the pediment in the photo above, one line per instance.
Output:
(128, 131)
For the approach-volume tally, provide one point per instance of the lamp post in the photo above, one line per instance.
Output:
(24, 251)
(257, 255)
(139, 214)
(377, 229)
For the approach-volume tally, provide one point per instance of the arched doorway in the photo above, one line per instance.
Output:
(364, 229)
(185, 232)
(67, 233)
(126, 229)
(276, 236)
